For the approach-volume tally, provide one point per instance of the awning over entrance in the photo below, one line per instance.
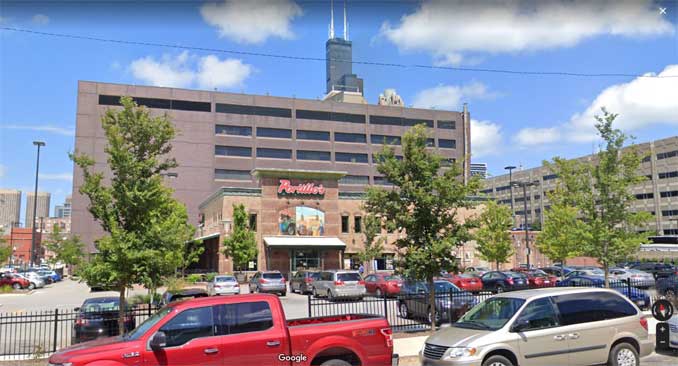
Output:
(301, 241)
(205, 237)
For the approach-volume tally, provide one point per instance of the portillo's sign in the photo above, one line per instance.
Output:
(304, 189)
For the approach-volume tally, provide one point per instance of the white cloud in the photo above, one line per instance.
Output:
(450, 30)
(252, 21)
(486, 138)
(56, 176)
(640, 103)
(41, 128)
(186, 69)
(451, 96)
(40, 19)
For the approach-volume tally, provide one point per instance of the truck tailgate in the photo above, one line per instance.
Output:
(368, 336)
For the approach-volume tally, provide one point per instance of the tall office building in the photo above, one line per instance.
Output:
(64, 210)
(10, 208)
(42, 209)
(339, 60)
(479, 169)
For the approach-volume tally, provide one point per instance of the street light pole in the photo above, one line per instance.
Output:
(35, 202)
(524, 185)
(510, 169)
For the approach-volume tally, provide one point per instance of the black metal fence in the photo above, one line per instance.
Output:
(38, 333)
(410, 312)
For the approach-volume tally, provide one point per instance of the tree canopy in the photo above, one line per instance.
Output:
(67, 249)
(241, 243)
(493, 238)
(373, 240)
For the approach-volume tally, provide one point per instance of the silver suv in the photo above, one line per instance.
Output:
(555, 327)
(336, 284)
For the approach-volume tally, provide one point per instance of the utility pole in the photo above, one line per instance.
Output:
(35, 203)
(510, 169)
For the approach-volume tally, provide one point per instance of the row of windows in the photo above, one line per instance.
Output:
(521, 199)
(175, 104)
(667, 194)
(486, 191)
(357, 224)
(550, 176)
(670, 213)
(239, 151)
(645, 196)
(323, 136)
(667, 175)
(666, 155)
(230, 174)
(355, 179)
(254, 110)
(503, 188)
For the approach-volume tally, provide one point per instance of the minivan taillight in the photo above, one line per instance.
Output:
(338, 283)
(361, 282)
(643, 323)
(388, 336)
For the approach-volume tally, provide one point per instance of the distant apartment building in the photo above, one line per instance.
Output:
(63, 210)
(479, 169)
(10, 208)
(657, 195)
(47, 224)
(42, 208)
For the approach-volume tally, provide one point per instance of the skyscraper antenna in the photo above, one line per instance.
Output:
(331, 19)
(345, 23)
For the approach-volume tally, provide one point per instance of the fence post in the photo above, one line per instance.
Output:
(149, 310)
(449, 310)
(385, 307)
(309, 305)
(628, 286)
(56, 329)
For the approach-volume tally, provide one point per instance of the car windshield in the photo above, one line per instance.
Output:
(393, 278)
(491, 314)
(225, 279)
(444, 286)
(139, 331)
(348, 277)
(273, 276)
(98, 306)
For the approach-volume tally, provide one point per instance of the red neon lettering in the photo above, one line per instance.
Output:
(304, 188)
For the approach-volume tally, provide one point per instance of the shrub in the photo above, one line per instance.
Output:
(139, 299)
(6, 289)
(210, 276)
(175, 284)
(193, 278)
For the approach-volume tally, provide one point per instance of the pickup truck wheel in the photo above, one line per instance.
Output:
(497, 360)
(404, 311)
(335, 363)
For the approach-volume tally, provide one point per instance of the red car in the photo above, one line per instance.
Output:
(239, 330)
(382, 284)
(539, 278)
(15, 282)
(466, 282)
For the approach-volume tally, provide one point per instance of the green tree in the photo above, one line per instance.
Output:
(560, 238)
(5, 249)
(426, 203)
(67, 249)
(493, 236)
(601, 192)
(241, 244)
(373, 240)
(146, 228)
(190, 254)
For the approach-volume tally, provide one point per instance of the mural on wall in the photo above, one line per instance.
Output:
(301, 220)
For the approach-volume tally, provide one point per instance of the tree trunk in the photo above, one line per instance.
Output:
(497, 265)
(606, 266)
(122, 310)
(432, 304)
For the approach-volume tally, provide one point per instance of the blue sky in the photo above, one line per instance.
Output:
(518, 119)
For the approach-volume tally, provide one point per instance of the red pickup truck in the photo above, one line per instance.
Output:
(239, 330)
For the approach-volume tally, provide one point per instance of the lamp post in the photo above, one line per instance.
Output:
(35, 202)
(510, 169)
(524, 185)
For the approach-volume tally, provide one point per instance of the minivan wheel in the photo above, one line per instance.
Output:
(623, 354)
(404, 311)
(497, 360)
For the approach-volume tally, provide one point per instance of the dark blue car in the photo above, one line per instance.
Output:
(499, 282)
(668, 286)
(639, 297)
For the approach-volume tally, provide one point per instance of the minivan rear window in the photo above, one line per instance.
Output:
(272, 276)
(592, 306)
(348, 277)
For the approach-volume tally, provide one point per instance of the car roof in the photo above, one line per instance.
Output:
(216, 300)
(94, 300)
(550, 291)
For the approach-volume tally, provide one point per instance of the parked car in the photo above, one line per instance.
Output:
(51, 274)
(465, 282)
(383, 284)
(585, 272)
(557, 270)
(181, 295)
(268, 282)
(414, 301)
(223, 285)
(556, 326)
(14, 281)
(639, 297)
(302, 281)
(98, 317)
(668, 286)
(499, 282)
(336, 284)
(673, 331)
(627, 265)
(34, 281)
(478, 271)
(537, 278)
(658, 270)
(240, 330)
(637, 277)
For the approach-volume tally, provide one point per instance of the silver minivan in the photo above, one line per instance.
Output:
(337, 284)
(552, 326)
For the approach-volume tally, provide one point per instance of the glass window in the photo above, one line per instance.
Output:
(330, 116)
(313, 135)
(385, 139)
(450, 144)
(350, 276)
(415, 121)
(449, 125)
(272, 275)
(382, 181)
(358, 224)
(350, 137)
(430, 142)
(592, 306)
(344, 224)
(274, 153)
(355, 179)
(232, 174)
(233, 130)
(539, 314)
(279, 133)
(186, 105)
(232, 151)
(253, 110)
(385, 120)
(187, 325)
(492, 314)
(667, 175)
(253, 222)
(243, 317)
(350, 157)
(314, 155)
(147, 324)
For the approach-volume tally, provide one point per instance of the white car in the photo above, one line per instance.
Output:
(35, 280)
(673, 331)
(638, 278)
(223, 285)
